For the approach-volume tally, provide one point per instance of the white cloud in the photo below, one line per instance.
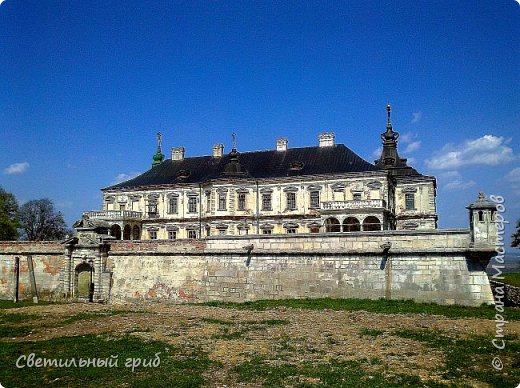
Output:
(449, 174)
(407, 137)
(64, 204)
(416, 117)
(458, 184)
(411, 161)
(376, 154)
(16, 168)
(414, 146)
(514, 175)
(124, 177)
(487, 150)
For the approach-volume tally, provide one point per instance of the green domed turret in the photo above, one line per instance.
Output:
(158, 158)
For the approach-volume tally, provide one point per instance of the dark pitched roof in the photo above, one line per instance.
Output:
(257, 164)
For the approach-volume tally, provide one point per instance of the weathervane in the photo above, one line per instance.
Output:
(159, 140)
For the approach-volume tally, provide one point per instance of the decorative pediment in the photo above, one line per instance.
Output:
(290, 225)
(409, 189)
(172, 195)
(266, 226)
(192, 194)
(374, 185)
(153, 197)
(338, 186)
(314, 188)
(410, 225)
(172, 228)
(242, 190)
(110, 199)
(290, 189)
(266, 190)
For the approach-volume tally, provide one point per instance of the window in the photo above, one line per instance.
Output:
(315, 199)
(208, 202)
(409, 200)
(291, 201)
(267, 231)
(172, 235)
(357, 196)
(291, 230)
(172, 206)
(152, 234)
(222, 232)
(152, 210)
(241, 201)
(266, 201)
(314, 229)
(480, 216)
(192, 234)
(122, 207)
(222, 201)
(192, 205)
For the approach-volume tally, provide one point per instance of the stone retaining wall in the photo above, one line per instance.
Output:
(431, 266)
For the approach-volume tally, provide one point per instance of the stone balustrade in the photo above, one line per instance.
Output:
(353, 204)
(113, 215)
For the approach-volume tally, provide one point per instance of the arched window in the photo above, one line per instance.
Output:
(332, 225)
(115, 231)
(351, 224)
(136, 233)
(371, 223)
(127, 231)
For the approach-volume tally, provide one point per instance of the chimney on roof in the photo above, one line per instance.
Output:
(327, 139)
(281, 144)
(218, 150)
(178, 153)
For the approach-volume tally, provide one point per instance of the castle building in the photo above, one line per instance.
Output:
(319, 189)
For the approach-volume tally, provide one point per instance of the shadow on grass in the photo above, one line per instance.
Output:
(381, 306)
(178, 367)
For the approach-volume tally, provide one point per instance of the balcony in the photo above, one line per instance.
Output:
(353, 205)
(113, 215)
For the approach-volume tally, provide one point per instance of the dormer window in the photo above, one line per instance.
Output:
(183, 174)
(296, 166)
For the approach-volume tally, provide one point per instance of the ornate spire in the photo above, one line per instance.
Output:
(389, 136)
(158, 158)
(234, 141)
(389, 157)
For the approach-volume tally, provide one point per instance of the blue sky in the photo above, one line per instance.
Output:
(87, 84)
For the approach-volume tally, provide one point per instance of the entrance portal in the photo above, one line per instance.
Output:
(84, 285)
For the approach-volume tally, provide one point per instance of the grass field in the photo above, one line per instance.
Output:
(296, 343)
(512, 279)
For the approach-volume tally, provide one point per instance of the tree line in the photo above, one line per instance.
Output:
(36, 220)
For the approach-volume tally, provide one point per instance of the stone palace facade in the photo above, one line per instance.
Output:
(325, 188)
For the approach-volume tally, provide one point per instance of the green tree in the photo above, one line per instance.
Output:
(515, 237)
(8, 216)
(39, 221)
